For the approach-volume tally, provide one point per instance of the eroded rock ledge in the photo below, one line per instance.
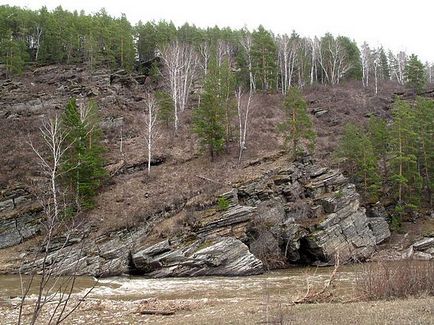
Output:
(299, 214)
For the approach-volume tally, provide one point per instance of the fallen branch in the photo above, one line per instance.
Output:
(157, 312)
(321, 295)
(210, 180)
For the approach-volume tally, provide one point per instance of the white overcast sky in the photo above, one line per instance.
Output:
(397, 24)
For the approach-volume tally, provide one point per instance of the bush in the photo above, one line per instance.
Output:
(401, 279)
(223, 203)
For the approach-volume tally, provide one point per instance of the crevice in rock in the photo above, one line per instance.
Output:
(308, 254)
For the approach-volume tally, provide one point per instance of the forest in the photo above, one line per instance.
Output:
(263, 59)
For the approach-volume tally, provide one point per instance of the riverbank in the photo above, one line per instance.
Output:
(247, 311)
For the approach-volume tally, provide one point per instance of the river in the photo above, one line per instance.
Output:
(266, 298)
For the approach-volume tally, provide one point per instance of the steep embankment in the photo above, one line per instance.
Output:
(181, 179)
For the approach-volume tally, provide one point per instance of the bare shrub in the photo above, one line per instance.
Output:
(388, 280)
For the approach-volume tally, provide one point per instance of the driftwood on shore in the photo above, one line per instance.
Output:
(157, 312)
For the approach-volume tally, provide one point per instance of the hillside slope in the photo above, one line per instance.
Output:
(26, 100)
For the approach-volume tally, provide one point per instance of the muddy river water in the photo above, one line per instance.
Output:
(133, 288)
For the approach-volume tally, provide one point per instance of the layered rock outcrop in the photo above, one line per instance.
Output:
(19, 217)
(298, 214)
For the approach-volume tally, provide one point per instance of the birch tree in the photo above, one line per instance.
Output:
(49, 165)
(246, 42)
(429, 72)
(205, 54)
(180, 63)
(333, 59)
(243, 110)
(52, 287)
(314, 48)
(287, 49)
(397, 65)
(366, 63)
(376, 64)
(151, 125)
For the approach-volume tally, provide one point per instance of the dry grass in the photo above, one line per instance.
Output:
(400, 279)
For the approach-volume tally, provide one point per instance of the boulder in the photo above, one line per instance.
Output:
(221, 256)
(421, 256)
(380, 229)
(424, 244)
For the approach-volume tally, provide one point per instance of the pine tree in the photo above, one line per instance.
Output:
(83, 164)
(404, 169)
(227, 89)
(424, 125)
(379, 136)
(264, 53)
(357, 148)
(209, 117)
(384, 65)
(166, 107)
(298, 125)
(415, 74)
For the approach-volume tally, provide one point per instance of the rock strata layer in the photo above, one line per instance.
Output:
(302, 213)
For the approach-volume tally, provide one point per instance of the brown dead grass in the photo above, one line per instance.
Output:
(391, 280)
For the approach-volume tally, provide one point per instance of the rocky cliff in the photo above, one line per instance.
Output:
(301, 213)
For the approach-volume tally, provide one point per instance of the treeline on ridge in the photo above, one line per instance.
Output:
(266, 60)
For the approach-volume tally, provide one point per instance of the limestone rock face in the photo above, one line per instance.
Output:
(221, 256)
(301, 213)
(19, 217)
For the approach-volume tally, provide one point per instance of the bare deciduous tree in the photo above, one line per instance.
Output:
(180, 62)
(365, 56)
(246, 42)
(333, 59)
(397, 65)
(243, 118)
(151, 125)
(287, 49)
(376, 63)
(51, 286)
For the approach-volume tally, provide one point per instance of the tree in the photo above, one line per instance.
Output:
(298, 125)
(404, 169)
(13, 54)
(379, 137)
(226, 94)
(264, 53)
(83, 164)
(180, 62)
(397, 65)
(288, 50)
(424, 126)
(415, 74)
(384, 71)
(338, 58)
(429, 72)
(246, 59)
(243, 110)
(166, 107)
(52, 287)
(366, 63)
(209, 117)
(357, 148)
(151, 124)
